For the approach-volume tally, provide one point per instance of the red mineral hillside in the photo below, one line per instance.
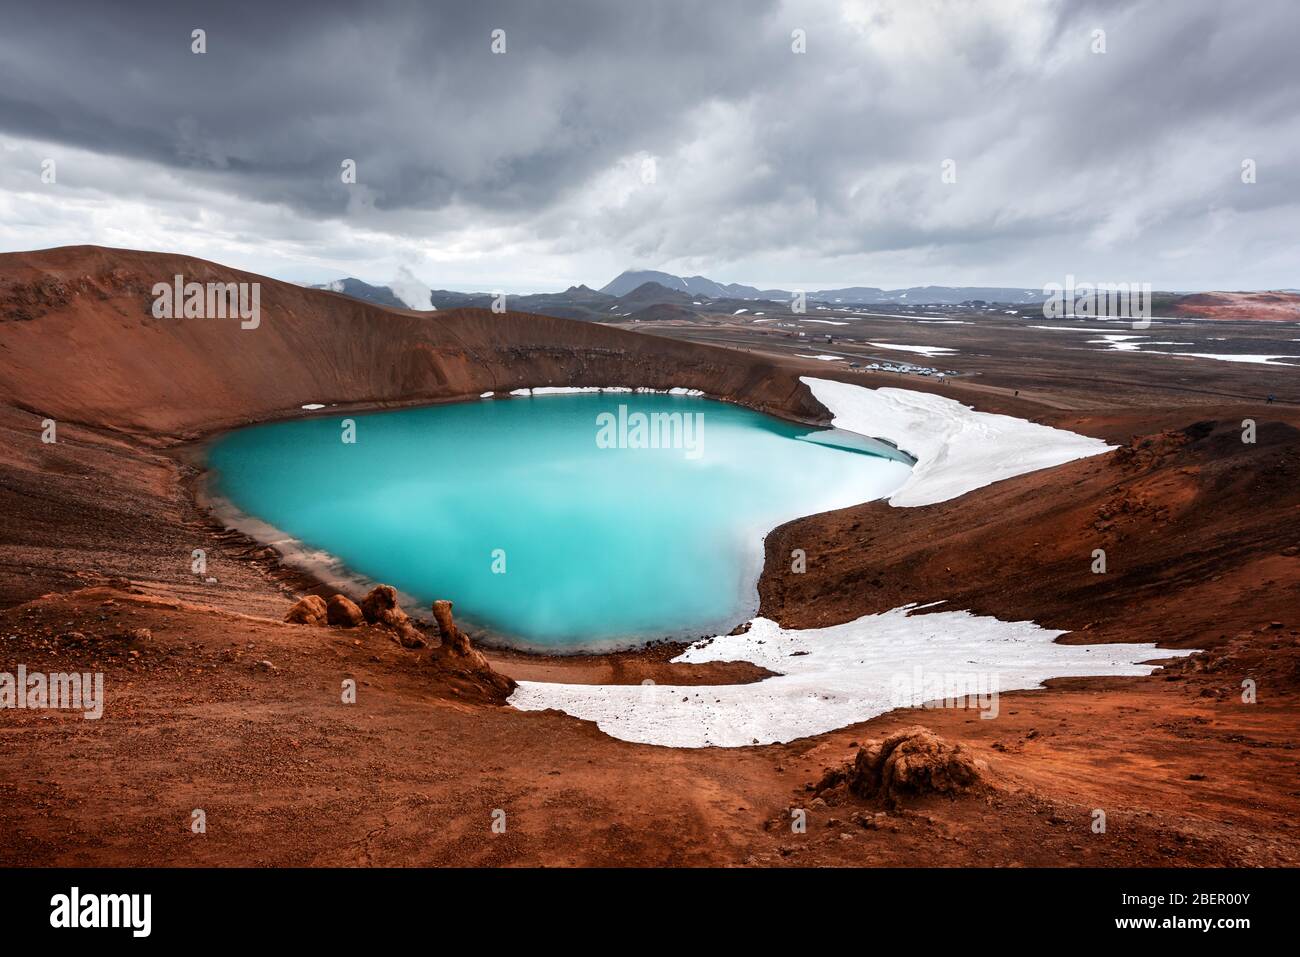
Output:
(58, 307)
(1266, 306)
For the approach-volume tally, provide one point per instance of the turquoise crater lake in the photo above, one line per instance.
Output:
(543, 518)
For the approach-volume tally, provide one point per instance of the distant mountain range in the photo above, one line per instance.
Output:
(638, 288)
(920, 295)
(651, 296)
(576, 302)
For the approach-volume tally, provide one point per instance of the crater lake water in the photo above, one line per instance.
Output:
(545, 523)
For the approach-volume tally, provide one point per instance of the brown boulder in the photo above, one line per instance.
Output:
(380, 608)
(912, 762)
(342, 610)
(309, 610)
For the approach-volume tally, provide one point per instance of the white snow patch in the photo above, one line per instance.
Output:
(832, 677)
(825, 322)
(1258, 360)
(956, 448)
(564, 389)
(1071, 328)
(1117, 343)
(577, 389)
(485, 395)
(313, 406)
(922, 350)
(826, 358)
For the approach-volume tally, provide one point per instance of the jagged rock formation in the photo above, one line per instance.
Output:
(458, 654)
(380, 608)
(913, 761)
(909, 763)
(464, 666)
(454, 641)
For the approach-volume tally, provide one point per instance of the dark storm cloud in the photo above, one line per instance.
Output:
(1066, 159)
(411, 91)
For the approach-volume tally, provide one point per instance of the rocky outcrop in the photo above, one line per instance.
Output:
(909, 763)
(912, 762)
(380, 608)
(23, 302)
(343, 611)
(1143, 452)
(454, 641)
(309, 610)
(456, 653)
(459, 664)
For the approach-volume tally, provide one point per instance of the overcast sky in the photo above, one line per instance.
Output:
(685, 136)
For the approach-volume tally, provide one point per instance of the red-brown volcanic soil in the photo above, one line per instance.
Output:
(1278, 306)
(214, 703)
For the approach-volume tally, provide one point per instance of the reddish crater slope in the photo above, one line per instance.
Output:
(60, 307)
(1267, 306)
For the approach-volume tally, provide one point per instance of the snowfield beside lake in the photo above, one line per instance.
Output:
(832, 677)
(956, 448)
